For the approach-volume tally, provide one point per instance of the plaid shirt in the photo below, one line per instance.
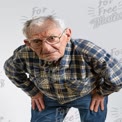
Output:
(83, 67)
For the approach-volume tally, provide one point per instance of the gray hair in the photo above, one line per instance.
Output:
(43, 22)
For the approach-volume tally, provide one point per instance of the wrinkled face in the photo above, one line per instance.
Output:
(50, 43)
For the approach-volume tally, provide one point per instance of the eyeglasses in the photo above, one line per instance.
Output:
(51, 40)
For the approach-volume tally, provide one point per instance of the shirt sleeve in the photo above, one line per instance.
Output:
(15, 70)
(105, 66)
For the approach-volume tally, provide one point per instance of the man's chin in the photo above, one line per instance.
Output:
(50, 59)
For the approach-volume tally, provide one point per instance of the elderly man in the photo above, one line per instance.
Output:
(62, 72)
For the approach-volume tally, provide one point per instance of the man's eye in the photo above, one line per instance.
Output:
(36, 41)
(51, 38)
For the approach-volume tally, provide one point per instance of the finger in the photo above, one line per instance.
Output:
(102, 105)
(92, 105)
(41, 101)
(97, 103)
(38, 105)
(33, 104)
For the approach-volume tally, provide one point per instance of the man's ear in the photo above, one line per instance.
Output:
(68, 33)
(27, 43)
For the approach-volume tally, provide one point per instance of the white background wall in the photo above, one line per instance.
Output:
(88, 19)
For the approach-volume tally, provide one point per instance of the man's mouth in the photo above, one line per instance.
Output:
(48, 53)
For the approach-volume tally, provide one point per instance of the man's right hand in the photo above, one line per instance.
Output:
(37, 101)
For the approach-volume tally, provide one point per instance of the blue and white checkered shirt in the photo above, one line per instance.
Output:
(83, 67)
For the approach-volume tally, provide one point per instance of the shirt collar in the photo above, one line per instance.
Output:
(65, 60)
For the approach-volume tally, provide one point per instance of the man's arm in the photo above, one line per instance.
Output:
(16, 72)
(106, 68)
(15, 69)
(109, 71)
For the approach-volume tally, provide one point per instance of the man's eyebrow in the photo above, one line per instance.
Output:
(37, 36)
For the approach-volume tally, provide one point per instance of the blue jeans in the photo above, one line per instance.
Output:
(55, 112)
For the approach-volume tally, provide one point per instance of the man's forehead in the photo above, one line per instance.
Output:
(44, 32)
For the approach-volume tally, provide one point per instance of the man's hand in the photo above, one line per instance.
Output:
(96, 101)
(37, 101)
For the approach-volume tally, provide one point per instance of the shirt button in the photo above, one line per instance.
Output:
(63, 62)
(61, 72)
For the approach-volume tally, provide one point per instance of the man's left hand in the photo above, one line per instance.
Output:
(97, 100)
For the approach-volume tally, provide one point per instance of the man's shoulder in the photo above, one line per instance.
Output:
(81, 43)
(22, 48)
(24, 52)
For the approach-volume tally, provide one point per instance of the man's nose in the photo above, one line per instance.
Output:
(46, 48)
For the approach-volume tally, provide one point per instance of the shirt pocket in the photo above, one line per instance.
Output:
(75, 85)
(42, 81)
